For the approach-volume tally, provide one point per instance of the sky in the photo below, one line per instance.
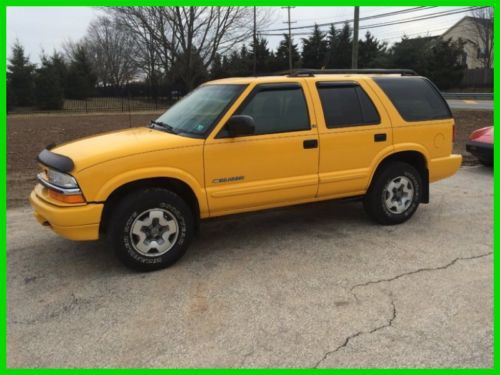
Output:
(47, 28)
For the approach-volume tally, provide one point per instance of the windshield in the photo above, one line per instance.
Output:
(197, 112)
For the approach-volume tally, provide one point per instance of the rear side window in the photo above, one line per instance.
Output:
(415, 98)
(346, 105)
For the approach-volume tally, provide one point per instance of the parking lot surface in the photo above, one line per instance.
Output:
(470, 104)
(311, 286)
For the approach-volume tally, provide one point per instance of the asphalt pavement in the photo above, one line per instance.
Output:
(317, 285)
(477, 105)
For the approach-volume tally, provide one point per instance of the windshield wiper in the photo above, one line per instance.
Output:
(165, 126)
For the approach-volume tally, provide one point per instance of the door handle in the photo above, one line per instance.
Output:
(311, 143)
(381, 137)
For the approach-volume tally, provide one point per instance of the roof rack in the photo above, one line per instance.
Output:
(312, 72)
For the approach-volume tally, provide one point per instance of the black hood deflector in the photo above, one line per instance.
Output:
(55, 161)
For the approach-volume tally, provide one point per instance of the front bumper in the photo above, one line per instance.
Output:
(482, 151)
(74, 222)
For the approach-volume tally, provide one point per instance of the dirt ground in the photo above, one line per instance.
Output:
(27, 135)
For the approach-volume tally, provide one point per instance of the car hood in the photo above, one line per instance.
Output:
(86, 152)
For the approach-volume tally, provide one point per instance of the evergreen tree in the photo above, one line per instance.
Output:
(432, 57)
(372, 53)
(81, 79)
(280, 61)
(314, 49)
(342, 52)
(264, 57)
(20, 78)
(59, 64)
(443, 63)
(332, 39)
(237, 63)
(49, 91)
(226, 66)
(409, 53)
(189, 72)
(217, 69)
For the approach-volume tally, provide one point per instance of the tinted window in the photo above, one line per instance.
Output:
(346, 105)
(277, 110)
(415, 98)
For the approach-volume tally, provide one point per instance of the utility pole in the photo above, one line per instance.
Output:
(254, 41)
(289, 22)
(355, 38)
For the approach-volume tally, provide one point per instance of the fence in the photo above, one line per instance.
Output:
(477, 78)
(103, 104)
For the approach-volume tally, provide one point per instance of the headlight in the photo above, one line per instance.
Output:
(61, 186)
(61, 179)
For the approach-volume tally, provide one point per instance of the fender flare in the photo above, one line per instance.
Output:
(403, 147)
(154, 172)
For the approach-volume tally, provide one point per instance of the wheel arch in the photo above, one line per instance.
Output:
(176, 185)
(413, 157)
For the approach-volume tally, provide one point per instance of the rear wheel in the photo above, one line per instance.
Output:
(151, 229)
(394, 194)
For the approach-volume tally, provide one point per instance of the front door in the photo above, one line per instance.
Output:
(275, 166)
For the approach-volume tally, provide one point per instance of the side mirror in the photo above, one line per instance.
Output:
(239, 125)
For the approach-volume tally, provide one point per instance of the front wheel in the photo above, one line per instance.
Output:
(151, 229)
(394, 194)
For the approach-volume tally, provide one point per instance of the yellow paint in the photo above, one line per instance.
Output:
(276, 169)
(470, 101)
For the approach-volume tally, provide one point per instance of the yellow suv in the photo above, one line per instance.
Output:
(246, 144)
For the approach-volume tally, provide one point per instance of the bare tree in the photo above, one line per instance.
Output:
(185, 40)
(481, 34)
(148, 25)
(111, 47)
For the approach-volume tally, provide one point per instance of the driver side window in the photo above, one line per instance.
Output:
(277, 109)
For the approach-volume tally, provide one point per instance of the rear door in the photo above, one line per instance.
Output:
(354, 130)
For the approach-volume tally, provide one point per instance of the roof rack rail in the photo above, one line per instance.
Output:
(312, 72)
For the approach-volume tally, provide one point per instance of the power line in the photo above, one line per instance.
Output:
(388, 14)
(406, 20)
(398, 35)
(421, 18)
(414, 28)
(368, 13)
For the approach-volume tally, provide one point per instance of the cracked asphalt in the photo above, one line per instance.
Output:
(311, 286)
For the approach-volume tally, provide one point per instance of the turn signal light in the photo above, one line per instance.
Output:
(76, 198)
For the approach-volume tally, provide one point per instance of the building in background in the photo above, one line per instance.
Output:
(477, 36)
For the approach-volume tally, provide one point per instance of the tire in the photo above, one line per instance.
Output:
(151, 229)
(394, 194)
